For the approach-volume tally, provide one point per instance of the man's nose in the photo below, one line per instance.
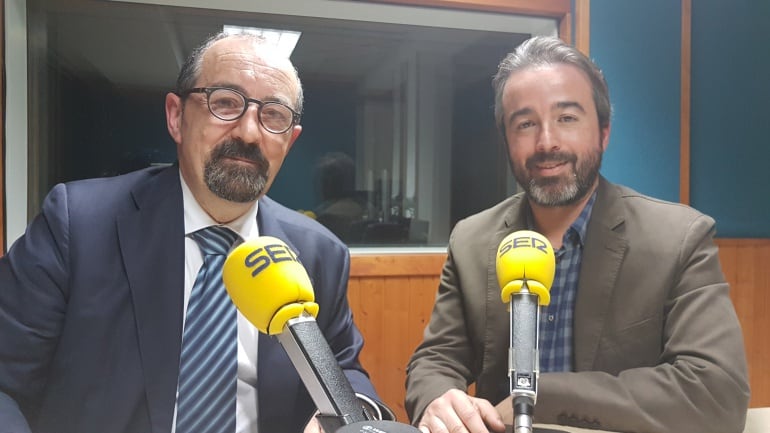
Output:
(247, 127)
(546, 139)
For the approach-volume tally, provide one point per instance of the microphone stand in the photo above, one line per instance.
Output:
(327, 384)
(523, 369)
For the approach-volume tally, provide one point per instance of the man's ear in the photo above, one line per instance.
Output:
(174, 110)
(296, 130)
(605, 137)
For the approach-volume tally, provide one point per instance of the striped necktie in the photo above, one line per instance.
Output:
(208, 364)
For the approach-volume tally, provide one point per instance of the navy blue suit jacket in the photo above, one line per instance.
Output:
(91, 311)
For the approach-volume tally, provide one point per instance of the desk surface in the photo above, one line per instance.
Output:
(757, 421)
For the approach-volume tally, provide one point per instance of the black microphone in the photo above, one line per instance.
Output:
(525, 267)
(271, 288)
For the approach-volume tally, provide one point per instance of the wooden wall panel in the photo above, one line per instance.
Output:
(392, 296)
(745, 264)
(684, 103)
(391, 311)
(582, 26)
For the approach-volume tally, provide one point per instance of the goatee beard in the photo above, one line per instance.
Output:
(236, 182)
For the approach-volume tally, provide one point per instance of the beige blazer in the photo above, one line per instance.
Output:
(657, 344)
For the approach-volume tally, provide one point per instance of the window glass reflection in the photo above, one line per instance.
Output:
(398, 139)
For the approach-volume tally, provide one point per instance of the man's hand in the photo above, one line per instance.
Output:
(313, 426)
(457, 412)
(505, 409)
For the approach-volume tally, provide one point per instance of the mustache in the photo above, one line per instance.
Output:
(555, 157)
(234, 148)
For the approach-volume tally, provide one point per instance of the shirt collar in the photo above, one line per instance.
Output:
(195, 218)
(579, 226)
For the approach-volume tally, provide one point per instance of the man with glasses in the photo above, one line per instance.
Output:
(230, 104)
(96, 297)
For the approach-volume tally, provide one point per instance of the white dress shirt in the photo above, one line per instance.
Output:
(195, 218)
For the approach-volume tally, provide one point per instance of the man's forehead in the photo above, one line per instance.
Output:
(248, 49)
(238, 55)
(547, 73)
(553, 79)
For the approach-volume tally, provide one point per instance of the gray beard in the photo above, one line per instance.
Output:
(563, 195)
(558, 191)
(235, 182)
(239, 184)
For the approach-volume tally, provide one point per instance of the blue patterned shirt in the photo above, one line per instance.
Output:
(556, 319)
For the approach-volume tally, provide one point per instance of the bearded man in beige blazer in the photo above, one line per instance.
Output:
(642, 336)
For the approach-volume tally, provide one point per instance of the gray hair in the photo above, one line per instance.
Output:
(191, 69)
(541, 51)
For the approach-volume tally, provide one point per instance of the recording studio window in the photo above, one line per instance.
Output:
(398, 140)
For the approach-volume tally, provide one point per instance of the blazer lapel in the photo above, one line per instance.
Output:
(498, 320)
(602, 257)
(269, 224)
(152, 244)
(277, 387)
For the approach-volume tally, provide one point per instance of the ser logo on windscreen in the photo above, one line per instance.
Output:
(524, 242)
(262, 257)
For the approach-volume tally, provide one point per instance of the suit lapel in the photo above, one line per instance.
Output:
(277, 386)
(269, 224)
(152, 244)
(498, 320)
(602, 257)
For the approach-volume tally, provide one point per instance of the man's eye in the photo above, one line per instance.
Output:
(226, 103)
(276, 113)
(525, 124)
(567, 118)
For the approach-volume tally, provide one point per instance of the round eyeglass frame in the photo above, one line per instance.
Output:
(295, 117)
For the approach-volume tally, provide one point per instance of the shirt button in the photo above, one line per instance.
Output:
(550, 317)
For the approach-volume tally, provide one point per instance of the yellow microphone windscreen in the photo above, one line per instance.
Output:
(525, 256)
(268, 284)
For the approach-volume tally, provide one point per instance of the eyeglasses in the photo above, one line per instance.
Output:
(229, 104)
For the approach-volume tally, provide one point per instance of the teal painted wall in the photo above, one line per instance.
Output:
(730, 138)
(637, 44)
(631, 41)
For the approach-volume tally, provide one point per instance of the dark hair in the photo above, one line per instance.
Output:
(191, 69)
(336, 175)
(543, 50)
